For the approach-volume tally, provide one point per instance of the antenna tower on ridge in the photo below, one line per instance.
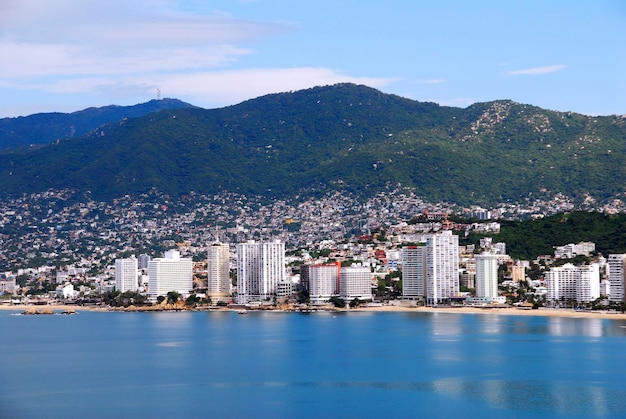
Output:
(158, 94)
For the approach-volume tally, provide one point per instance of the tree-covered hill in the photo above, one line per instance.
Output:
(532, 238)
(44, 128)
(344, 137)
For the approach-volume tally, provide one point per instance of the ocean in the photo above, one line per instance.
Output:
(223, 364)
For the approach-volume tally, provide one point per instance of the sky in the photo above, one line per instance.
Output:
(68, 55)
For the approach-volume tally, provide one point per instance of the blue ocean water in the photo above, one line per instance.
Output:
(317, 365)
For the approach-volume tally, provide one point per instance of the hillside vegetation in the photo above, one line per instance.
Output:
(339, 137)
(531, 238)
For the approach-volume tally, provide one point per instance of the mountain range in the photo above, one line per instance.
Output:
(45, 128)
(345, 136)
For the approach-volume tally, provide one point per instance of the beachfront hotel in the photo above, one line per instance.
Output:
(126, 274)
(486, 276)
(355, 282)
(616, 270)
(260, 267)
(218, 272)
(442, 272)
(430, 270)
(322, 281)
(569, 282)
(413, 271)
(170, 273)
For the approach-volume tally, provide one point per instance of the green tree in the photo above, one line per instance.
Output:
(173, 297)
(337, 302)
(192, 300)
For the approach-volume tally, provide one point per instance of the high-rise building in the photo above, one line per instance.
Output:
(170, 273)
(487, 276)
(569, 282)
(260, 266)
(616, 270)
(126, 274)
(355, 282)
(518, 272)
(323, 281)
(218, 272)
(442, 274)
(143, 261)
(413, 271)
(431, 270)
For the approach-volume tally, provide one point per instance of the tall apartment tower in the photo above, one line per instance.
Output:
(355, 282)
(218, 273)
(442, 259)
(487, 276)
(126, 276)
(616, 269)
(170, 273)
(143, 261)
(260, 266)
(323, 281)
(569, 282)
(413, 271)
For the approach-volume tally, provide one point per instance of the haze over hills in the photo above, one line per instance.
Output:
(344, 137)
(44, 128)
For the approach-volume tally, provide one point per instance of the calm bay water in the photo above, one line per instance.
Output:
(288, 365)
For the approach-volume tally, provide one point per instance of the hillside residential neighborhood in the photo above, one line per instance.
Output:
(230, 249)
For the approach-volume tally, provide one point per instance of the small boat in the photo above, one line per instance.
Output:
(242, 312)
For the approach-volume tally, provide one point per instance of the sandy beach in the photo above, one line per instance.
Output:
(508, 311)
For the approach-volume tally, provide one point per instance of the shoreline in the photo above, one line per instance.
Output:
(508, 311)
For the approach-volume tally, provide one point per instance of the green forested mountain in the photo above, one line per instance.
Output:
(44, 128)
(343, 136)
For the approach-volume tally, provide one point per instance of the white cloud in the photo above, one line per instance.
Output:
(538, 70)
(229, 87)
(67, 38)
(207, 89)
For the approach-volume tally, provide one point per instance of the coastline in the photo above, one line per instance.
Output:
(508, 311)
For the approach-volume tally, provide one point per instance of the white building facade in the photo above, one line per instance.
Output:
(218, 272)
(442, 258)
(260, 267)
(486, 281)
(616, 272)
(355, 282)
(569, 282)
(413, 271)
(126, 274)
(170, 273)
(322, 282)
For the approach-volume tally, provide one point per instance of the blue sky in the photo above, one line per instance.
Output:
(67, 55)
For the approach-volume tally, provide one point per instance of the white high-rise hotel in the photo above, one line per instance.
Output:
(218, 274)
(442, 259)
(323, 281)
(170, 273)
(487, 276)
(355, 282)
(260, 266)
(126, 274)
(569, 282)
(616, 270)
(413, 271)
(431, 270)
